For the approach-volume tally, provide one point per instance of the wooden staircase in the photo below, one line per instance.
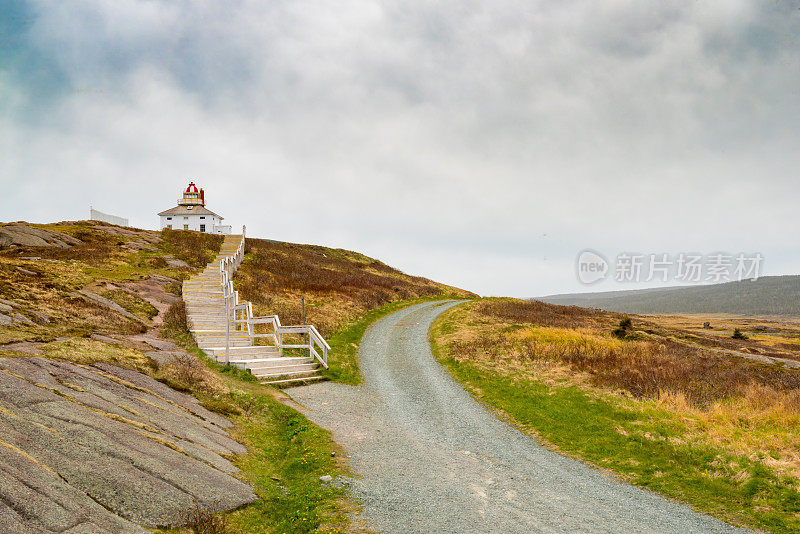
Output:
(223, 327)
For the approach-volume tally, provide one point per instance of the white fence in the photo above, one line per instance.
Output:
(95, 215)
(241, 315)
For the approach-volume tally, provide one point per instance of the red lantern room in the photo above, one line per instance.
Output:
(192, 196)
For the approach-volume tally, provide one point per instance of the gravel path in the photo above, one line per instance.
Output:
(432, 459)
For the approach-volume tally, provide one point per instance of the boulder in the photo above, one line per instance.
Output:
(26, 272)
(177, 264)
(22, 235)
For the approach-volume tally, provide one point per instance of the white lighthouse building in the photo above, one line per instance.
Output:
(191, 214)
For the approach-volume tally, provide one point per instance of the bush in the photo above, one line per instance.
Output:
(621, 331)
(159, 262)
(737, 334)
(205, 520)
(537, 312)
(175, 320)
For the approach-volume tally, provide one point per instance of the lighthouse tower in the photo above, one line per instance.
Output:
(191, 214)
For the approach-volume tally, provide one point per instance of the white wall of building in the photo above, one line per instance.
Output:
(95, 215)
(209, 224)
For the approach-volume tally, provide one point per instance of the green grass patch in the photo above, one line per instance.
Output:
(287, 456)
(132, 303)
(639, 442)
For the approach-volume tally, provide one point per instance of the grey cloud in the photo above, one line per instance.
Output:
(431, 134)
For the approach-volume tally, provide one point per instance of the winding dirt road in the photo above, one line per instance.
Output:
(432, 459)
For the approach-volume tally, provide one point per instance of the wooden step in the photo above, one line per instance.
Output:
(279, 382)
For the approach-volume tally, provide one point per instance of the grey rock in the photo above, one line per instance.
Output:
(43, 317)
(88, 452)
(19, 318)
(325, 478)
(5, 308)
(25, 347)
(156, 343)
(161, 357)
(178, 264)
(44, 502)
(22, 235)
(138, 245)
(105, 339)
(26, 272)
(5, 319)
(184, 401)
(9, 303)
(162, 278)
(89, 296)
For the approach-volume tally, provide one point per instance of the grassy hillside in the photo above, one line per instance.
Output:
(114, 296)
(648, 400)
(771, 295)
(50, 290)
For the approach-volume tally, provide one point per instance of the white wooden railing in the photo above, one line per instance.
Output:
(240, 314)
(313, 341)
(228, 266)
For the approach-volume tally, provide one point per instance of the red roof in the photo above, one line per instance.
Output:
(192, 188)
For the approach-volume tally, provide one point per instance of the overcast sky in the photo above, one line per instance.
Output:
(481, 144)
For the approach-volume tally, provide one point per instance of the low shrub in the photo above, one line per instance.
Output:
(205, 520)
(175, 320)
(737, 334)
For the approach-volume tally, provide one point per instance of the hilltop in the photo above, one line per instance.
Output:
(94, 349)
(86, 278)
(770, 295)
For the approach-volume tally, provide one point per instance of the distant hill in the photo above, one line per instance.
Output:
(770, 295)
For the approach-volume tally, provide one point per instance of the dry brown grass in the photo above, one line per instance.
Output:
(205, 520)
(195, 248)
(175, 320)
(50, 293)
(185, 372)
(42, 290)
(95, 247)
(581, 339)
(339, 285)
(742, 406)
(536, 312)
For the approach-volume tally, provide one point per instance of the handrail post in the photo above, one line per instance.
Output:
(227, 332)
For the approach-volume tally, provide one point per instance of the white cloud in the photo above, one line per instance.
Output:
(446, 138)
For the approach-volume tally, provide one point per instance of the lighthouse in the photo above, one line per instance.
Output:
(191, 214)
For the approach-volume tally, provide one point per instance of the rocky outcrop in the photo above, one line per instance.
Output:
(105, 449)
(22, 235)
(94, 298)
